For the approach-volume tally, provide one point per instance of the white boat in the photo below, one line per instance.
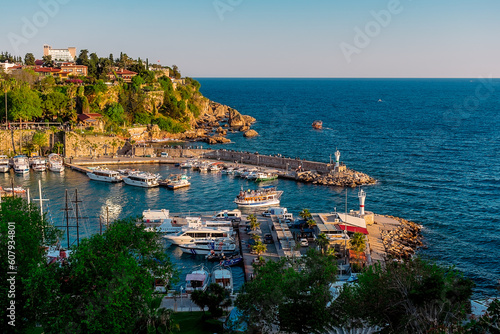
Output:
(38, 165)
(214, 168)
(55, 163)
(265, 196)
(188, 235)
(21, 164)
(205, 246)
(4, 164)
(252, 176)
(159, 221)
(262, 176)
(223, 276)
(197, 280)
(105, 175)
(179, 181)
(228, 171)
(145, 180)
(188, 163)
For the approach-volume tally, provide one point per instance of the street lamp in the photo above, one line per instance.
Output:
(182, 288)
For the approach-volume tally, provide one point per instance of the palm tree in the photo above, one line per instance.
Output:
(259, 248)
(256, 237)
(305, 214)
(311, 223)
(323, 243)
(358, 242)
(254, 224)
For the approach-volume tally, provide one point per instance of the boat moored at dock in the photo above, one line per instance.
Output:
(21, 164)
(190, 234)
(265, 196)
(262, 176)
(56, 163)
(223, 276)
(4, 164)
(205, 246)
(176, 182)
(104, 175)
(145, 180)
(197, 280)
(38, 165)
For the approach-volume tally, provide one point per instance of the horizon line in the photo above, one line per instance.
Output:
(230, 77)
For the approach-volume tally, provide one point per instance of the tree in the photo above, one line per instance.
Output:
(29, 59)
(259, 248)
(108, 285)
(408, 297)
(23, 236)
(115, 113)
(48, 61)
(83, 58)
(214, 297)
(311, 223)
(323, 243)
(305, 214)
(358, 242)
(24, 104)
(254, 224)
(290, 295)
(175, 72)
(38, 140)
(55, 104)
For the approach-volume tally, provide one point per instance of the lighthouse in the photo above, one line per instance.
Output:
(337, 159)
(361, 196)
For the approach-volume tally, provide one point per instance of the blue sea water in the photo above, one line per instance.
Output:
(432, 144)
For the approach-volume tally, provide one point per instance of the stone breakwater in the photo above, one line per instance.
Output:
(347, 178)
(402, 242)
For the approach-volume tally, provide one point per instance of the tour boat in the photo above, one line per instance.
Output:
(105, 175)
(266, 177)
(38, 165)
(188, 235)
(265, 196)
(197, 280)
(4, 164)
(55, 163)
(317, 125)
(145, 180)
(204, 246)
(223, 276)
(21, 164)
(176, 182)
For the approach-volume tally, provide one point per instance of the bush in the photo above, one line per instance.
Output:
(169, 125)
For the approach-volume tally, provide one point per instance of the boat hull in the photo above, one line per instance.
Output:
(56, 169)
(206, 251)
(109, 179)
(4, 169)
(177, 186)
(257, 204)
(139, 183)
(21, 170)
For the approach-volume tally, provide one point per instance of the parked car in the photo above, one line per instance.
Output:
(304, 242)
(268, 238)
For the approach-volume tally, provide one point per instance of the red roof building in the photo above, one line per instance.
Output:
(126, 75)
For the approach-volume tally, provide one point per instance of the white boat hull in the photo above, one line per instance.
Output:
(39, 168)
(257, 204)
(4, 169)
(139, 183)
(56, 169)
(109, 179)
(21, 170)
(206, 250)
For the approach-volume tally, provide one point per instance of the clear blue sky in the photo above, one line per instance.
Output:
(266, 38)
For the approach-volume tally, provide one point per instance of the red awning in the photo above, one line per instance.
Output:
(353, 229)
(195, 277)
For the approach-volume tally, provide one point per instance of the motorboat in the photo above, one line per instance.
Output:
(198, 279)
(265, 196)
(223, 276)
(228, 171)
(188, 163)
(265, 177)
(4, 164)
(160, 221)
(56, 163)
(176, 182)
(143, 179)
(214, 167)
(318, 125)
(205, 246)
(190, 234)
(21, 164)
(38, 165)
(105, 175)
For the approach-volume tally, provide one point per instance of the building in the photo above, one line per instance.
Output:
(65, 70)
(91, 120)
(52, 71)
(7, 66)
(68, 54)
(74, 70)
(126, 75)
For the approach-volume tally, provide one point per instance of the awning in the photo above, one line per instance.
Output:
(195, 277)
(354, 229)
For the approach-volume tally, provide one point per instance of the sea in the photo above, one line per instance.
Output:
(432, 145)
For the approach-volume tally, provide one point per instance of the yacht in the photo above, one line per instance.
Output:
(265, 196)
(223, 276)
(56, 163)
(197, 280)
(145, 180)
(38, 165)
(265, 177)
(21, 164)
(205, 246)
(104, 174)
(4, 164)
(188, 235)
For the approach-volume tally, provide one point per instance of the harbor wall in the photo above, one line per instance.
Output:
(14, 142)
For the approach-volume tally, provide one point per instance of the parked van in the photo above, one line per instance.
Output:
(234, 215)
(282, 213)
(164, 155)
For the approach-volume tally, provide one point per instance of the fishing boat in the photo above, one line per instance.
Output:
(56, 163)
(4, 164)
(176, 182)
(204, 246)
(38, 165)
(105, 175)
(318, 125)
(21, 164)
(143, 179)
(265, 196)
(188, 163)
(198, 279)
(223, 276)
(189, 234)
(265, 177)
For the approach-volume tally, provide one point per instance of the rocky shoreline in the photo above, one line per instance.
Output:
(347, 178)
(402, 242)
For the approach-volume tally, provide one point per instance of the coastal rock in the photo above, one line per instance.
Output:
(250, 134)
(217, 140)
(235, 120)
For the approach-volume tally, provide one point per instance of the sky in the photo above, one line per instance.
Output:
(270, 38)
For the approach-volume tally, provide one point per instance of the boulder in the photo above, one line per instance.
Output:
(250, 134)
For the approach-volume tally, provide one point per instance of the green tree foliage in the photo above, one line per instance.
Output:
(408, 297)
(83, 104)
(358, 242)
(23, 104)
(214, 297)
(48, 61)
(6, 56)
(29, 59)
(323, 243)
(108, 285)
(39, 140)
(83, 58)
(305, 214)
(145, 118)
(175, 72)
(22, 247)
(115, 113)
(289, 295)
(55, 104)
(166, 84)
(168, 124)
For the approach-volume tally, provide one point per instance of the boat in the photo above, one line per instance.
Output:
(189, 234)
(4, 164)
(105, 175)
(197, 280)
(223, 276)
(21, 164)
(176, 182)
(232, 261)
(265, 177)
(159, 221)
(142, 179)
(188, 163)
(56, 163)
(38, 165)
(265, 196)
(228, 171)
(16, 191)
(317, 125)
(128, 171)
(214, 167)
(205, 246)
